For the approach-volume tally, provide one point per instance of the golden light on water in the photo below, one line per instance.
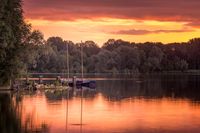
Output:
(103, 115)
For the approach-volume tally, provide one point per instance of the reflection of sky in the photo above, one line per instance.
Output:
(102, 115)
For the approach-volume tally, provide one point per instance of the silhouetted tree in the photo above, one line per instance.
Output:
(13, 35)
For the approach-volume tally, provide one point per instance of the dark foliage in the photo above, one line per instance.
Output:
(116, 56)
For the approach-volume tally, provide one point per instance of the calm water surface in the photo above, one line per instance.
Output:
(140, 104)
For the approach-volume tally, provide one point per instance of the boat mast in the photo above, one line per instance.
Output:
(81, 120)
(67, 64)
(67, 102)
(81, 60)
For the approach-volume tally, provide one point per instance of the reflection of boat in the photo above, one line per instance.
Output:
(90, 84)
(79, 83)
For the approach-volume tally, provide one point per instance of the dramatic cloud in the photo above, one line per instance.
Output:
(144, 32)
(162, 10)
(99, 20)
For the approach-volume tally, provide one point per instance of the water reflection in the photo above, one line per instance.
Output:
(153, 86)
(144, 104)
(12, 117)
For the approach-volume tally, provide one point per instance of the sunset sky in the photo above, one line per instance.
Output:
(99, 20)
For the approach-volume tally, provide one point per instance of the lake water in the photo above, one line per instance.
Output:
(128, 104)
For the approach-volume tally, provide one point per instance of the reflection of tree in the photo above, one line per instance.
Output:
(13, 120)
(9, 123)
(152, 86)
(183, 86)
(53, 95)
(118, 89)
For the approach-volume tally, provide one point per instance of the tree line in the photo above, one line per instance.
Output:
(115, 56)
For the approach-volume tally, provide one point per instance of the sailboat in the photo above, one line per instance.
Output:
(82, 83)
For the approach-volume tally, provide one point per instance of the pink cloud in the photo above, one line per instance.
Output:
(162, 10)
(144, 32)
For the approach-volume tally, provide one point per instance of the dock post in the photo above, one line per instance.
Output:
(74, 81)
(74, 85)
(27, 79)
(40, 79)
(58, 78)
